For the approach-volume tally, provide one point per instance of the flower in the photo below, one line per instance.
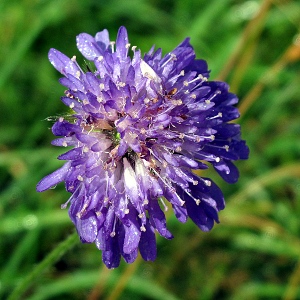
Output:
(140, 127)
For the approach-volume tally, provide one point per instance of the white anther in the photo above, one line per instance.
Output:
(146, 201)
(195, 182)
(143, 130)
(112, 234)
(72, 105)
(78, 74)
(85, 149)
(207, 101)
(80, 178)
(207, 182)
(142, 228)
(65, 144)
(73, 58)
(85, 102)
(126, 211)
(100, 58)
(197, 201)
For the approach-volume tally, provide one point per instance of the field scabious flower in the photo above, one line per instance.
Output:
(140, 127)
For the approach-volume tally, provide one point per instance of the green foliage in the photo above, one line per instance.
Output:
(254, 252)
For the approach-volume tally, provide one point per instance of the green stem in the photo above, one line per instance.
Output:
(49, 260)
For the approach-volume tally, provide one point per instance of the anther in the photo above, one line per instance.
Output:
(142, 228)
(80, 178)
(143, 130)
(100, 58)
(112, 44)
(73, 58)
(207, 182)
(72, 105)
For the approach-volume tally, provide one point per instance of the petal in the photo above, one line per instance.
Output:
(122, 42)
(227, 170)
(147, 243)
(53, 179)
(158, 219)
(198, 215)
(87, 228)
(88, 47)
(63, 63)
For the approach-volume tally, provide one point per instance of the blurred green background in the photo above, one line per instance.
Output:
(254, 253)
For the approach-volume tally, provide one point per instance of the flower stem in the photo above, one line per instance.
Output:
(49, 260)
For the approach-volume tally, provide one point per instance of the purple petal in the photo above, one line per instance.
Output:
(62, 63)
(122, 42)
(147, 243)
(227, 170)
(87, 228)
(53, 179)
(88, 47)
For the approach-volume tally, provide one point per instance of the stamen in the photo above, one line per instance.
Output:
(80, 178)
(219, 115)
(112, 44)
(172, 57)
(163, 203)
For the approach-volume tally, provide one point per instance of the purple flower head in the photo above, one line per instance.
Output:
(140, 127)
